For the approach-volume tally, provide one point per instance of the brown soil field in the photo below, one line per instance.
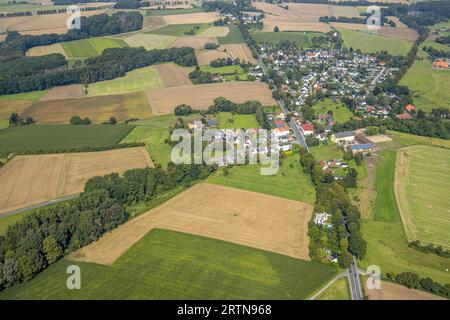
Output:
(153, 22)
(204, 57)
(199, 17)
(393, 291)
(98, 109)
(379, 138)
(72, 91)
(164, 101)
(29, 180)
(44, 50)
(193, 42)
(264, 222)
(241, 51)
(9, 106)
(390, 32)
(173, 75)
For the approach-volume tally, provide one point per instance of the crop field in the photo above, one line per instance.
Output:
(4, 124)
(178, 30)
(44, 50)
(149, 41)
(302, 39)
(30, 96)
(341, 113)
(176, 261)
(290, 182)
(52, 176)
(193, 42)
(400, 33)
(60, 138)
(204, 57)
(406, 139)
(239, 51)
(72, 91)
(265, 222)
(393, 291)
(215, 32)
(233, 36)
(339, 290)
(199, 17)
(422, 180)
(134, 81)
(372, 43)
(9, 106)
(98, 109)
(164, 12)
(92, 47)
(173, 75)
(165, 100)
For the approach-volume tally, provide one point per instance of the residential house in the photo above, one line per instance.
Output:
(404, 116)
(308, 129)
(343, 137)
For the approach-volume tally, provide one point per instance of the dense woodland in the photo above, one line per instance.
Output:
(46, 235)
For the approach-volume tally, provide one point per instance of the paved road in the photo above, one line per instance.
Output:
(378, 76)
(355, 284)
(339, 276)
(37, 206)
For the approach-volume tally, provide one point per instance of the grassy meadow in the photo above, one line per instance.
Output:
(302, 39)
(327, 152)
(178, 30)
(31, 96)
(234, 36)
(339, 290)
(86, 48)
(172, 265)
(340, 112)
(229, 72)
(227, 120)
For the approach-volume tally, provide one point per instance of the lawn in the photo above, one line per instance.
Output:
(290, 181)
(341, 113)
(60, 138)
(302, 39)
(31, 96)
(369, 43)
(134, 81)
(327, 152)
(339, 290)
(385, 205)
(181, 29)
(92, 47)
(234, 36)
(236, 121)
(429, 87)
(171, 265)
(229, 72)
(423, 177)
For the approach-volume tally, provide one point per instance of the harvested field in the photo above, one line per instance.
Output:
(345, 11)
(72, 91)
(193, 42)
(204, 57)
(241, 51)
(9, 106)
(200, 17)
(270, 22)
(98, 109)
(214, 32)
(164, 101)
(29, 180)
(265, 222)
(151, 23)
(389, 32)
(44, 50)
(393, 291)
(173, 75)
(149, 41)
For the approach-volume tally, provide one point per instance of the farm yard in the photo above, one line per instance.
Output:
(51, 176)
(176, 261)
(421, 182)
(164, 101)
(97, 109)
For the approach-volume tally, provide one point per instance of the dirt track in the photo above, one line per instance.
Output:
(29, 180)
(264, 222)
(165, 100)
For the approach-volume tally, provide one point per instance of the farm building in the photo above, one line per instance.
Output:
(362, 148)
(343, 137)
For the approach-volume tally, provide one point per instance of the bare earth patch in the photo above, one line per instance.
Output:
(193, 42)
(72, 91)
(393, 291)
(264, 222)
(379, 138)
(29, 180)
(173, 75)
(165, 100)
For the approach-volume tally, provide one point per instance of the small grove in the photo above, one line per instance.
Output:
(43, 237)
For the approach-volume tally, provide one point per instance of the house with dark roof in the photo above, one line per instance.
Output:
(343, 137)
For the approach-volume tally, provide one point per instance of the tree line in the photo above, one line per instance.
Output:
(111, 64)
(46, 235)
(413, 281)
(43, 12)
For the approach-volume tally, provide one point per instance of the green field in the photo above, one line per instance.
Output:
(406, 139)
(302, 39)
(180, 29)
(59, 138)
(385, 205)
(290, 181)
(339, 290)
(4, 124)
(6, 7)
(229, 72)
(429, 87)
(236, 121)
(234, 36)
(425, 180)
(92, 47)
(369, 43)
(134, 81)
(327, 152)
(166, 12)
(32, 96)
(171, 265)
(340, 112)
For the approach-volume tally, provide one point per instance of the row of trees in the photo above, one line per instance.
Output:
(43, 12)
(112, 63)
(42, 237)
(413, 281)
(16, 120)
